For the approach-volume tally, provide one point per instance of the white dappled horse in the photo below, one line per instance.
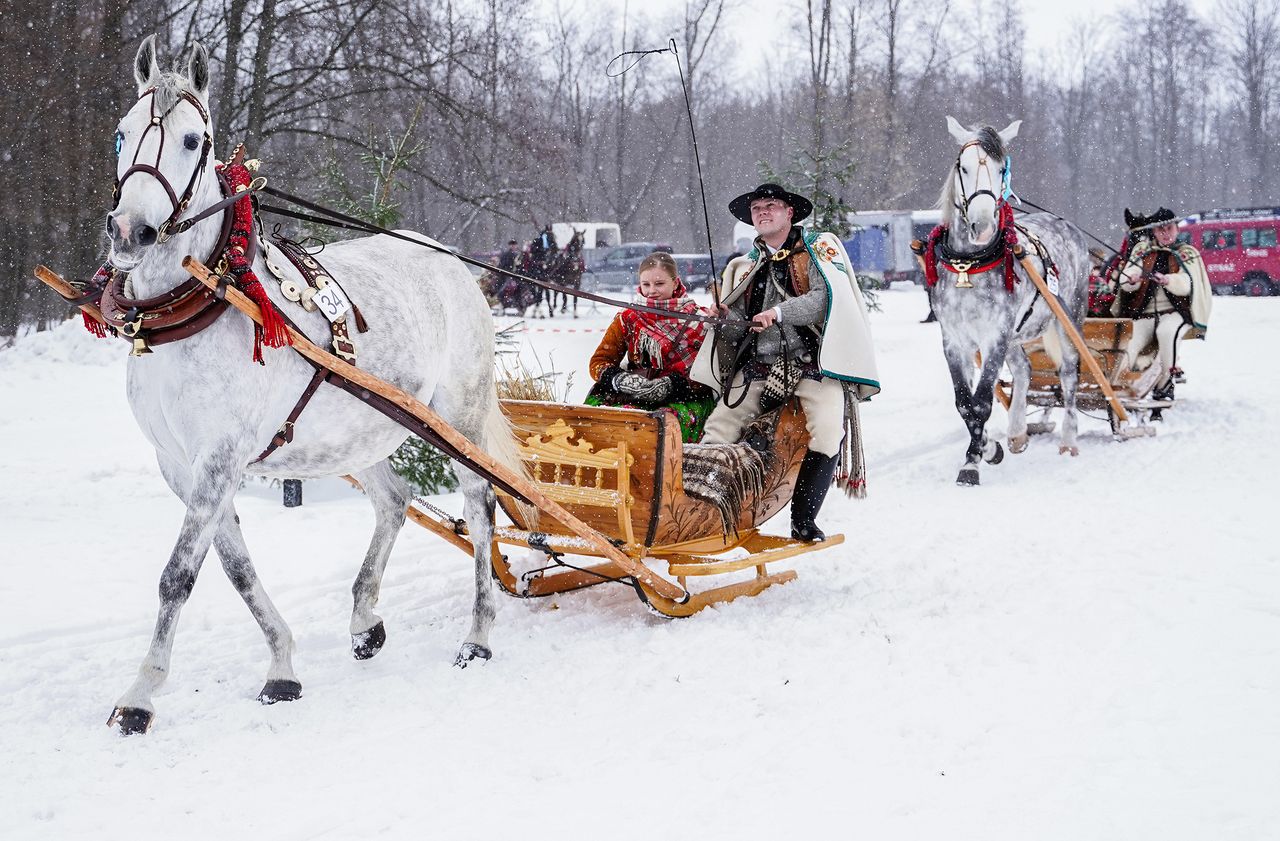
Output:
(209, 410)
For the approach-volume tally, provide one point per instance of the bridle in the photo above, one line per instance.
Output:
(967, 197)
(171, 225)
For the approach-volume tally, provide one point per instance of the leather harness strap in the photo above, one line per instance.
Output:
(285, 435)
(342, 346)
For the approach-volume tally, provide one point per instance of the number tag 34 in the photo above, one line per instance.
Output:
(332, 302)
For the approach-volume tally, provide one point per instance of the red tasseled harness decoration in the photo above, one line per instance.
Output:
(272, 332)
(1007, 233)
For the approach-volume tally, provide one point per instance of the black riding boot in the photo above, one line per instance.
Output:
(816, 472)
(1164, 392)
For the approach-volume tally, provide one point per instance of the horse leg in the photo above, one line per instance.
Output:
(1020, 367)
(960, 364)
(1069, 376)
(390, 496)
(282, 684)
(207, 495)
(974, 406)
(479, 504)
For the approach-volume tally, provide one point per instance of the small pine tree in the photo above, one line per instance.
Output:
(821, 176)
(423, 466)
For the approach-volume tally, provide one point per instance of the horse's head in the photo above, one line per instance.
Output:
(978, 183)
(574, 247)
(163, 145)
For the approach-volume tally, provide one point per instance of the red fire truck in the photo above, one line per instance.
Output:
(1239, 248)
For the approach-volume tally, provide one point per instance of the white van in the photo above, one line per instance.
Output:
(598, 237)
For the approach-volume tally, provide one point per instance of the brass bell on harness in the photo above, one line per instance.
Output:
(132, 328)
(962, 273)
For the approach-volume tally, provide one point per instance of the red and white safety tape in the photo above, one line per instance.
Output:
(562, 329)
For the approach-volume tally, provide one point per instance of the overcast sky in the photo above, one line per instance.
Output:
(760, 20)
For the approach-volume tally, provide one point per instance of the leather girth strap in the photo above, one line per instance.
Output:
(285, 434)
(317, 278)
(342, 346)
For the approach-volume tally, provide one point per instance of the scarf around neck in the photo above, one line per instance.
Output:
(666, 344)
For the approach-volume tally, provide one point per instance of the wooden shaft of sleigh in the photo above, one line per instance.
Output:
(1076, 339)
(55, 282)
(455, 439)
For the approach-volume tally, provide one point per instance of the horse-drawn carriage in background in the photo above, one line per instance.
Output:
(1107, 341)
(542, 258)
(1131, 374)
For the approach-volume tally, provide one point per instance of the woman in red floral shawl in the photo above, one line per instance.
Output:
(659, 350)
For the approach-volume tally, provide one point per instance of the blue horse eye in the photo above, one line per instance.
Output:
(119, 142)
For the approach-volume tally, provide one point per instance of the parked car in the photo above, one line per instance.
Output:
(695, 270)
(617, 268)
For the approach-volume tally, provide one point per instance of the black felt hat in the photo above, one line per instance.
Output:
(1133, 221)
(741, 206)
(1138, 222)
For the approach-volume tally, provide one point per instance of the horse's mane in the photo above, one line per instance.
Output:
(989, 141)
(168, 89)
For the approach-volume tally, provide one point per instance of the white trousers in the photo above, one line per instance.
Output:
(1166, 327)
(822, 401)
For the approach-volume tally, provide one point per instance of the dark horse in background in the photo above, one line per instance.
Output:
(567, 271)
(537, 260)
(542, 259)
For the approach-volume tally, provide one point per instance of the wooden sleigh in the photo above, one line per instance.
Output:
(606, 484)
(620, 472)
(1107, 341)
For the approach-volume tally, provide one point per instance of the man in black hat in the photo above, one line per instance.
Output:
(789, 287)
(507, 259)
(1165, 290)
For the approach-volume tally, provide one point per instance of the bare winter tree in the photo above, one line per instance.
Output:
(1252, 34)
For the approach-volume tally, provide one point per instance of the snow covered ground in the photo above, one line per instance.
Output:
(1081, 648)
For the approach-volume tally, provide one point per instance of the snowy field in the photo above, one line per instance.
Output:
(1081, 648)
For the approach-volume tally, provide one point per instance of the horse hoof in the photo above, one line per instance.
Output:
(471, 651)
(368, 643)
(280, 690)
(968, 477)
(133, 721)
(1062, 451)
(1017, 444)
(997, 456)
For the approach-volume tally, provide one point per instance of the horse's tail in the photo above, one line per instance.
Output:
(500, 442)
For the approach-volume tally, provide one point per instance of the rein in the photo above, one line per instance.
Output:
(341, 220)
